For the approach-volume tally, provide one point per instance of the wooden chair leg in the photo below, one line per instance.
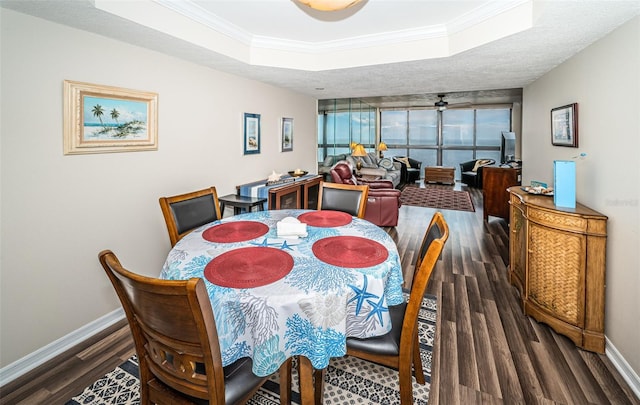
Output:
(319, 385)
(406, 386)
(417, 362)
(285, 383)
(306, 371)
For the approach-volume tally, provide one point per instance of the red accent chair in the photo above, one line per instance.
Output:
(383, 201)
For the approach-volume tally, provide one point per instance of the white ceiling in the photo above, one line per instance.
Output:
(374, 50)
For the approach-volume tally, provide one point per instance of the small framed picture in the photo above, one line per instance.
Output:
(103, 119)
(286, 134)
(251, 133)
(564, 125)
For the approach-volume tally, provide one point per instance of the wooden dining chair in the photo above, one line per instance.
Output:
(348, 198)
(185, 212)
(176, 342)
(400, 348)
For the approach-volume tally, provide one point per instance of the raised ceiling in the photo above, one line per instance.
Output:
(379, 49)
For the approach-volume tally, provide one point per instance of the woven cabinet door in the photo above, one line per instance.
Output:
(556, 274)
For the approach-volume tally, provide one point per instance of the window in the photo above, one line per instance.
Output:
(457, 127)
(341, 122)
(445, 138)
(423, 127)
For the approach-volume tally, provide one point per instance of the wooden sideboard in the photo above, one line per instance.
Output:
(495, 197)
(292, 194)
(300, 194)
(557, 261)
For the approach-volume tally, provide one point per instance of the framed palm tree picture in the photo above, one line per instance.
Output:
(102, 119)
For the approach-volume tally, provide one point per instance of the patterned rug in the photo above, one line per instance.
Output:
(348, 380)
(437, 198)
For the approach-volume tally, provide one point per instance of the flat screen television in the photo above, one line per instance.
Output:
(508, 147)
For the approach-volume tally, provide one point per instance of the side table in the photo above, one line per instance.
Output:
(240, 202)
(439, 174)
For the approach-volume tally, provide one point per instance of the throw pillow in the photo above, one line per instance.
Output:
(386, 164)
(479, 163)
(405, 161)
(328, 161)
(367, 161)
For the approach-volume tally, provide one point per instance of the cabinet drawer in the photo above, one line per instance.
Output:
(558, 220)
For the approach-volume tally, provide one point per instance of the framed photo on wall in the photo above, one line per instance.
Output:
(286, 134)
(251, 133)
(564, 125)
(101, 119)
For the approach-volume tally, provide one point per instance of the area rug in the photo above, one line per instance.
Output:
(348, 380)
(437, 198)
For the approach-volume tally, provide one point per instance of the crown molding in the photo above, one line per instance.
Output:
(191, 10)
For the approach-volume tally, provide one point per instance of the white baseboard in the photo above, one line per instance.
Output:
(48, 352)
(625, 370)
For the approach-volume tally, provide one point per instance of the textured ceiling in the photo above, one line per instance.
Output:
(493, 71)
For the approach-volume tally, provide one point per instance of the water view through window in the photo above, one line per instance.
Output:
(444, 138)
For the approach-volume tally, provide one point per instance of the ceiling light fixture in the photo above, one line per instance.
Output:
(441, 105)
(329, 5)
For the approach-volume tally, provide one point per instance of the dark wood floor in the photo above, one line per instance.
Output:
(486, 350)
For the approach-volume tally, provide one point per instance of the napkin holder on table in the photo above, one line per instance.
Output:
(290, 227)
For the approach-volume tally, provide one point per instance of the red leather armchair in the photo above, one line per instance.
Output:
(383, 202)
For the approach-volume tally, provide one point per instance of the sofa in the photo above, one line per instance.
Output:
(471, 171)
(324, 167)
(383, 201)
(372, 165)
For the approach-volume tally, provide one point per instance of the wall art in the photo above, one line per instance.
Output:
(102, 119)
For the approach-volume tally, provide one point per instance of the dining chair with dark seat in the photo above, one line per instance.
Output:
(348, 198)
(400, 348)
(176, 342)
(185, 212)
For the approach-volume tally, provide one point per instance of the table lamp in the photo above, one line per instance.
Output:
(358, 152)
(382, 147)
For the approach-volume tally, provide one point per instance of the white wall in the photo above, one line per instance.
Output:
(58, 212)
(604, 79)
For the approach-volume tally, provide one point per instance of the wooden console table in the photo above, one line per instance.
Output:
(557, 261)
(439, 174)
(301, 192)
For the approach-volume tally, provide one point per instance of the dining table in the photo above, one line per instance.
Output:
(277, 296)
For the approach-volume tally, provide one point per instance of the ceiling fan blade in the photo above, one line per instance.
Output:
(459, 105)
(442, 104)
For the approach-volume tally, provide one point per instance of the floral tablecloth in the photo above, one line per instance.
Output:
(310, 308)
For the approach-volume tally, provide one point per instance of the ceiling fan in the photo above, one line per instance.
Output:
(442, 105)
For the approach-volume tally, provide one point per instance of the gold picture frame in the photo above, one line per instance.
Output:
(105, 119)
